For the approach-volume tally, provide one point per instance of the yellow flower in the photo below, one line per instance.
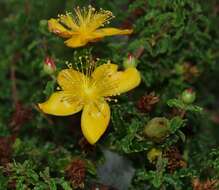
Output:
(84, 26)
(89, 90)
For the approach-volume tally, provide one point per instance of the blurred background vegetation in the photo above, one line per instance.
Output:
(159, 136)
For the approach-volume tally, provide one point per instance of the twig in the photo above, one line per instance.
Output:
(139, 52)
(27, 7)
(182, 113)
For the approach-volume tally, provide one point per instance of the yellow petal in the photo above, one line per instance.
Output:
(69, 22)
(71, 80)
(125, 80)
(94, 121)
(76, 41)
(61, 104)
(57, 28)
(118, 82)
(110, 82)
(103, 70)
(99, 33)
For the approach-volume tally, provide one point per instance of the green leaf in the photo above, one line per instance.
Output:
(65, 185)
(178, 103)
(176, 123)
(91, 167)
(49, 89)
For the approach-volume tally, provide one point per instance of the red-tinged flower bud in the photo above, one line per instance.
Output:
(188, 96)
(49, 66)
(130, 62)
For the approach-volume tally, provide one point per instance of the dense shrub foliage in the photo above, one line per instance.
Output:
(162, 134)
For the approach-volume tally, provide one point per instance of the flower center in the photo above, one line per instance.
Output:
(89, 93)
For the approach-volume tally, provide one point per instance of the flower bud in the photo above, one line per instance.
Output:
(49, 66)
(130, 62)
(157, 129)
(153, 154)
(188, 96)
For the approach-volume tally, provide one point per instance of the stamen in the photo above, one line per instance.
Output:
(84, 86)
(90, 19)
(84, 20)
(110, 99)
(69, 65)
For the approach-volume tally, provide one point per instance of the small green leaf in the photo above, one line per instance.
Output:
(182, 136)
(49, 89)
(176, 123)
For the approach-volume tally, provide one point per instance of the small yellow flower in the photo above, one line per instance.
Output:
(89, 90)
(84, 26)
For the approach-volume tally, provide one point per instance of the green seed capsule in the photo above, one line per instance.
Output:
(188, 96)
(157, 129)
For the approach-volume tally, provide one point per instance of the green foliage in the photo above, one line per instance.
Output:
(177, 103)
(27, 177)
(175, 43)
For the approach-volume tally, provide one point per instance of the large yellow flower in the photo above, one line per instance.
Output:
(89, 91)
(84, 26)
